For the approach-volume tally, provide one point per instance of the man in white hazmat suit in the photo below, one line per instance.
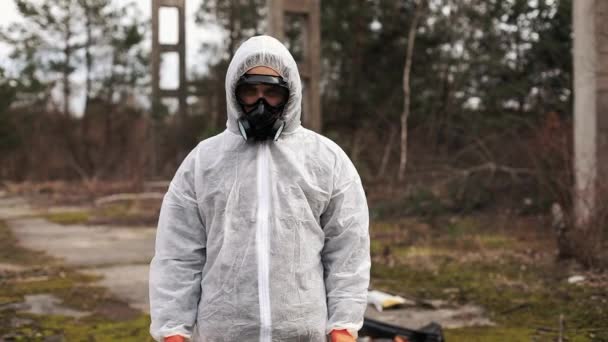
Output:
(263, 238)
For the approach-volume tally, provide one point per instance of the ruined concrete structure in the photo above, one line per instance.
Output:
(590, 23)
(283, 13)
(158, 49)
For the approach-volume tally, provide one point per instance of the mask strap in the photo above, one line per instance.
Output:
(279, 131)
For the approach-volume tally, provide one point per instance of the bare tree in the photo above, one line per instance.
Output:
(387, 152)
(421, 5)
(87, 48)
(66, 67)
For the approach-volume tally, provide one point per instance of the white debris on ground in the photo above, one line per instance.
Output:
(381, 300)
(46, 304)
(410, 315)
(576, 279)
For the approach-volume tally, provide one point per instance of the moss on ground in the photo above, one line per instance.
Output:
(45, 328)
(126, 212)
(12, 253)
(465, 262)
(489, 334)
(117, 210)
(69, 217)
(524, 297)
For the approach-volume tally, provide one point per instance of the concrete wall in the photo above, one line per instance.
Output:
(310, 67)
(590, 23)
(602, 91)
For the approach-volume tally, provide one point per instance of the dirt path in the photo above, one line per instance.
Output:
(119, 254)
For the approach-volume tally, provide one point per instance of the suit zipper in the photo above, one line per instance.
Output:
(262, 241)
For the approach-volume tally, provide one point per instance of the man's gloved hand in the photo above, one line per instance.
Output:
(344, 336)
(175, 338)
(341, 336)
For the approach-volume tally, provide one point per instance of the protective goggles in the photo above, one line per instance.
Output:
(273, 89)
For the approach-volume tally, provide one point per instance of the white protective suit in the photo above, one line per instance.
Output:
(262, 241)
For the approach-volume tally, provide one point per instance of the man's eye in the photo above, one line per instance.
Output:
(249, 91)
(274, 92)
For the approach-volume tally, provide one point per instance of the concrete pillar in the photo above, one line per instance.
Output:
(310, 64)
(181, 93)
(590, 23)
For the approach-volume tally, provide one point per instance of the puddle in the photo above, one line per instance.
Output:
(46, 304)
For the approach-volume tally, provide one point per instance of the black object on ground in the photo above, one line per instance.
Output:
(376, 329)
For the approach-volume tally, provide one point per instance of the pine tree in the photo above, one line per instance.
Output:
(57, 38)
(48, 41)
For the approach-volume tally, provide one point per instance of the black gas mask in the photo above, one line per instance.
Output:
(262, 99)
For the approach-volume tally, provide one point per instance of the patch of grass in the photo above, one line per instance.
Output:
(116, 210)
(50, 285)
(524, 297)
(421, 251)
(518, 307)
(11, 252)
(489, 334)
(494, 241)
(459, 227)
(128, 212)
(43, 328)
(111, 319)
(50, 279)
(376, 247)
(467, 235)
(421, 203)
(125, 212)
(384, 227)
(134, 330)
(69, 217)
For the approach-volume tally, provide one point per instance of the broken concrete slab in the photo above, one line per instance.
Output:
(447, 317)
(81, 245)
(120, 255)
(15, 207)
(127, 282)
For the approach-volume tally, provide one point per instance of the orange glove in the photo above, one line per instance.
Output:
(175, 338)
(344, 336)
(341, 336)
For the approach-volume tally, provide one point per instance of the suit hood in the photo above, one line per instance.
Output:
(264, 51)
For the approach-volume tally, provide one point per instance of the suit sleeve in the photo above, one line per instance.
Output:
(346, 253)
(175, 270)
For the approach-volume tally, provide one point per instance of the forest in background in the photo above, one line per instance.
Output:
(490, 124)
(478, 232)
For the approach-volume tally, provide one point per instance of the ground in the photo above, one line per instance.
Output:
(73, 282)
(501, 265)
(507, 265)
